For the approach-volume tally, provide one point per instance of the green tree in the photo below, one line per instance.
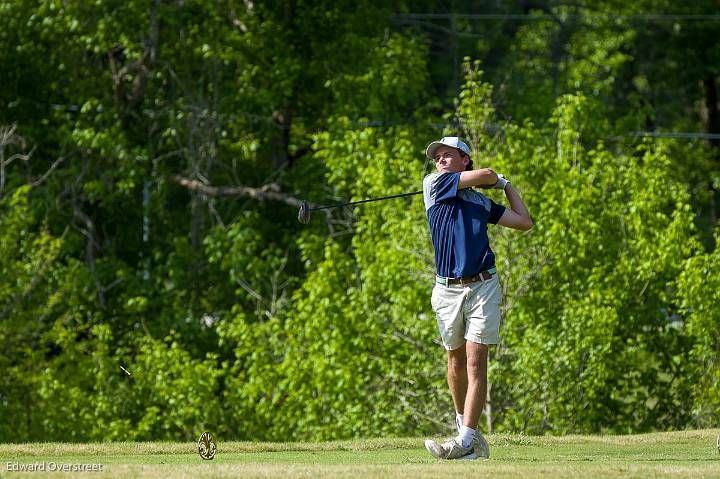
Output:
(164, 147)
(29, 299)
(698, 300)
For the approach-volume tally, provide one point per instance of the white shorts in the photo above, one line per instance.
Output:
(468, 312)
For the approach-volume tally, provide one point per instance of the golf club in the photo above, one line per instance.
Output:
(305, 209)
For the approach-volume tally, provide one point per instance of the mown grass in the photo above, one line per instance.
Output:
(687, 454)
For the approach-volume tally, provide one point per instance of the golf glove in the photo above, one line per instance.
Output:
(501, 182)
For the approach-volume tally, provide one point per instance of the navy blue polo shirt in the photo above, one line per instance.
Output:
(458, 223)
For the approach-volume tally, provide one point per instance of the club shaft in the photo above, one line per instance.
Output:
(365, 201)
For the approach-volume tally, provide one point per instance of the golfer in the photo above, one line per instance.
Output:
(466, 298)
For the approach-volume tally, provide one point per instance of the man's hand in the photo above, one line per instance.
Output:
(501, 182)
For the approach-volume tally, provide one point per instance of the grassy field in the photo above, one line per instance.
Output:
(687, 454)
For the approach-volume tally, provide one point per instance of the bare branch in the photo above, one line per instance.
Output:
(91, 244)
(19, 156)
(269, 192)
(8, 137)
(44, 177)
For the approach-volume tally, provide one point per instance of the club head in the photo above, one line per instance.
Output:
(304, 213)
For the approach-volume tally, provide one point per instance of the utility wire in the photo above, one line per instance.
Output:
(654, 134)
(677, 134)
(527, 16)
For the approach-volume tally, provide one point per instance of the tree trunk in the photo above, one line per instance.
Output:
(280, 143)
(711, 115)
(711, 118)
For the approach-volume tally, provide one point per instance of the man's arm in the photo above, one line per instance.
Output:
(517, 216)
(483, 178)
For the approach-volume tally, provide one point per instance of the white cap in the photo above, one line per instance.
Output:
(451, 141)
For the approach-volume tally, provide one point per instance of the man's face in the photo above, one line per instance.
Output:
(448, 159)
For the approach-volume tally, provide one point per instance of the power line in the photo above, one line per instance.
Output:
(678, 134)
(494, 128)
(529, 16)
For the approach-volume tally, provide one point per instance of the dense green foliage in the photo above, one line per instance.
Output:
(154, 280)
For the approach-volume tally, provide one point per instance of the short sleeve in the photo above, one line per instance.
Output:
(496, 212)
(440, 186)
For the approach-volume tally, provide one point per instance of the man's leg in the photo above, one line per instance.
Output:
(448, 306)
(457, 377)
(477, 358)
(464, 362)
(476, 377)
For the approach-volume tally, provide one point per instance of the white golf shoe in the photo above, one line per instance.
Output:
(450, 449)
(453, 449)
(482, 448)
